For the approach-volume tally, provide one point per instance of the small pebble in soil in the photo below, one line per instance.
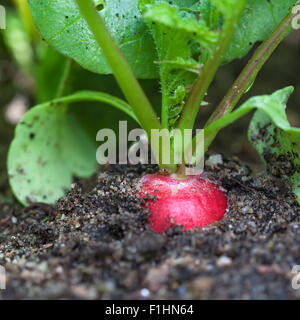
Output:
(214, 160)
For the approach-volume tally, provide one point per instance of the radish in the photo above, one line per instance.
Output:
(190, 202)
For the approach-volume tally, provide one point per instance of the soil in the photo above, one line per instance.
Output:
(96, 244)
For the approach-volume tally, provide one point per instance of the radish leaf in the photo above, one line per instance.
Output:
(50, 147)
(62, 26)
(271, 134)
(278, 146)
(258, 20)
(177, 35)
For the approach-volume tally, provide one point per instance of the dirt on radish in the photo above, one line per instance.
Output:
(96, 243)
(205, 201)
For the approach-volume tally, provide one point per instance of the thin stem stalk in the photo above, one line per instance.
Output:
(209, 70)
(64, 78)
(249, 73)
(122, 72)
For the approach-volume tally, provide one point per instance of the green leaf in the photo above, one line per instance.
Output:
(278, 145)
(225, 6)
(271, 134)
(209, 14)
(171, 17)
(273, 105)
(50, 147)
(259, 19)
(62, 26)
(177, 35)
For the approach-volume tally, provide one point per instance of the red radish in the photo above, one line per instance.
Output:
(190, 202)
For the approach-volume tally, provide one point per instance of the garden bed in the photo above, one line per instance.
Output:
(97, 244)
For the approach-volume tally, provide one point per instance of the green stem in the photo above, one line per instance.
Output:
(64, 78)
(96, 96)
(250, 72)
(247, 77)
(208, 72)
(121, 70)
(164, 112)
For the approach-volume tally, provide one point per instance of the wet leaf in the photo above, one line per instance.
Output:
(257, 22)
(62, 26)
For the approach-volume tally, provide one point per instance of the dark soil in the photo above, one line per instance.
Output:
(97, 244)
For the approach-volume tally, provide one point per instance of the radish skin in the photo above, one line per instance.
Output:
(190, 202)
